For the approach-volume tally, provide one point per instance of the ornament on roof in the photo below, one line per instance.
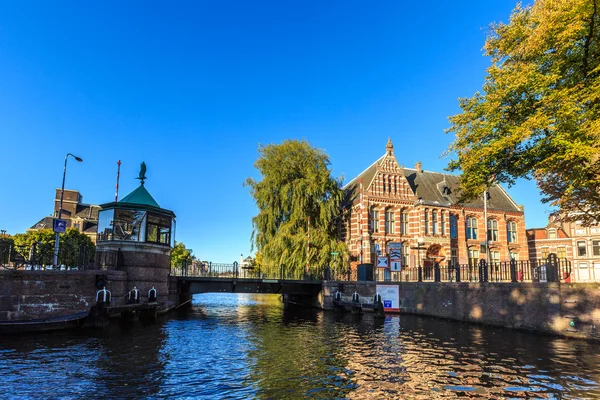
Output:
(142, 176)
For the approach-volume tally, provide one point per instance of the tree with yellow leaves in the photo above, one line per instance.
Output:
(538, 113)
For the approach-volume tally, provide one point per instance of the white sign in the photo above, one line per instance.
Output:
(382, 262)
(390, 297)
(395, 266)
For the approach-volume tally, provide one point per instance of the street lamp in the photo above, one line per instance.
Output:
(62, 192)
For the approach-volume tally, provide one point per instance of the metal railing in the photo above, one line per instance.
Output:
(282, 272)
(39, 256)
(550, 270)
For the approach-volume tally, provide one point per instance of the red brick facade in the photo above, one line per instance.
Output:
(398, 204)
(579, 244)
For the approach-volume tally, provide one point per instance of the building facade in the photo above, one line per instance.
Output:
(570, 240)
(418, 212)
(81, 216)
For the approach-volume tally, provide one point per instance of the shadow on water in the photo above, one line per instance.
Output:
(250, 346)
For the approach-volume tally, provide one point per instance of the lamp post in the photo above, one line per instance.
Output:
(62, 192)
(420, 242)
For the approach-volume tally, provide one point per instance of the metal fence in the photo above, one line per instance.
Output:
(39, 256)
(281, 272)
(550, 270)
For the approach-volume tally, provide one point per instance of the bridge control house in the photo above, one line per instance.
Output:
(136, 235)
(418, 212)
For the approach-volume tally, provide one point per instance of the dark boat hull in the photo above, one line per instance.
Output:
(70, 321)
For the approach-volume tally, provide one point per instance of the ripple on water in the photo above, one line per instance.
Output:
(244, 346)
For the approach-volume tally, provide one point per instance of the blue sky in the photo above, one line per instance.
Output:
(193, 88)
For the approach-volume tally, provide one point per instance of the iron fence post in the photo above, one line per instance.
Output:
(457, 272)
(552, 268)
(436, 272)
(420, 274)
(483, 271)
(513, 270)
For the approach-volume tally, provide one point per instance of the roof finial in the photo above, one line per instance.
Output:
(142, 176)
(389, 147)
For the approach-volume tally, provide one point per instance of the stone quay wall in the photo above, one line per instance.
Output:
(147, 265)
(42, 294)
(571, 310)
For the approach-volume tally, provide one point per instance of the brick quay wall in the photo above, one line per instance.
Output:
(42, 294)
(571, 310)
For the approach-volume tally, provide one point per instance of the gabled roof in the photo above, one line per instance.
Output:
(429, 187)
(140, 196)
(433, 188)
(45, 223)
(367, 177)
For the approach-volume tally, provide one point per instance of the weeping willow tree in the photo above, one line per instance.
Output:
(296, 186)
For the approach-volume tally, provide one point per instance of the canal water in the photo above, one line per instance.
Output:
(249, 346)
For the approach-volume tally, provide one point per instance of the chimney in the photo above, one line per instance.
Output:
(419, 166)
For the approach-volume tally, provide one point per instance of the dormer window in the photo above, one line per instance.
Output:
(551, 233)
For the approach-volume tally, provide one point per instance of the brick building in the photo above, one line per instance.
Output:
(419, 210)
(83, 217)
(571, 240)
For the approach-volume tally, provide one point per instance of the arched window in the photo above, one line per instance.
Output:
(404, 223)
(492, 230)
(442, 224)
(383, 184)
(374, 219)
(471, 228)
(389, 220)
(511, 228)
(434, 222)
(426, 221)
(453, 226)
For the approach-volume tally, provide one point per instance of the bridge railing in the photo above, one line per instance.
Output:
(281, 272)
(549, 270)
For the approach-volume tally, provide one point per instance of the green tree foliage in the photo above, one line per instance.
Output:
(181, 255)
(7, 244)
(296, 184)
(76, 249)
(35, 246)
(538, 114)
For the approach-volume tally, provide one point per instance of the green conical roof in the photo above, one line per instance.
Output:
(140, 196)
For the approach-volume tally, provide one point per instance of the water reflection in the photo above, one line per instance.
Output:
(244, 346)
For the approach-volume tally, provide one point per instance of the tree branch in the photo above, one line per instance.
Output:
(588, 39)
